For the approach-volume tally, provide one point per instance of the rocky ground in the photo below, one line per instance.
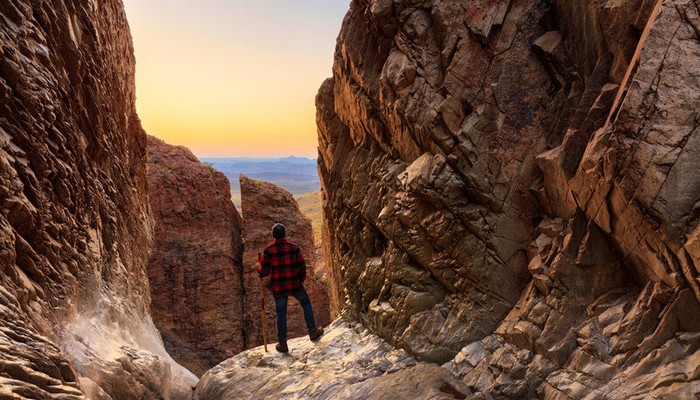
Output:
(348, 362)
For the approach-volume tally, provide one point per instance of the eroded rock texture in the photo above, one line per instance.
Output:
(514, 183)
(265, 204)
(195, 266)
(75, 222)
(428, 132)
(348, 362)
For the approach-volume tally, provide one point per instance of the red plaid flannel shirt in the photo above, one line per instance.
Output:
(283, 261)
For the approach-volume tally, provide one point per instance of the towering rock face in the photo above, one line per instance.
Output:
(428, 134)
(512, 186)
(265, 204)
(76, 229)
(195, 266)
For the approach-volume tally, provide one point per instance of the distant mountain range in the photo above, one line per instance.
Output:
(298, 175)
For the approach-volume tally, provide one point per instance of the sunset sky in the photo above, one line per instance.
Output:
(233, 77)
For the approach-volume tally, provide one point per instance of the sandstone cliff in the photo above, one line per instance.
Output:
(511, 186)
(265, 204)
(76, 229)
(195, 267)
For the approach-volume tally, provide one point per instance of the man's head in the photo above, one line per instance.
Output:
(278, 231)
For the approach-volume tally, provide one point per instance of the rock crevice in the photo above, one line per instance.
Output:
(203, 269)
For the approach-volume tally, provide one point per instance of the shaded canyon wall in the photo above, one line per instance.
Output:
(195, 266)
(203, 269)
(512, 187)
(76, 229)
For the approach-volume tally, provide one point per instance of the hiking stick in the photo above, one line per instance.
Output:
(262, 307)
(262, 302)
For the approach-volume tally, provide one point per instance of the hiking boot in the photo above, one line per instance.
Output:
(282, 347)
(316, 334)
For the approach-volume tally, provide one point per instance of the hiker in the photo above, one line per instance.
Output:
(283, 262)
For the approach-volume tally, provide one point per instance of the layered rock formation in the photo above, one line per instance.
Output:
(76, 229)
(509, 189)
(511, 186)
(195, 267)
(265, 204)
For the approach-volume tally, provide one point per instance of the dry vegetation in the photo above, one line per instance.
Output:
(310, 205)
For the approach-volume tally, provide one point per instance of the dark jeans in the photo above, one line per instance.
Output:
(281, 309)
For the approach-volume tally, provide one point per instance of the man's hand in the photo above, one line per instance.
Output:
(266, 281)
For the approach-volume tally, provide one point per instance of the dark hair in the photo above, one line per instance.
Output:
(278, 231)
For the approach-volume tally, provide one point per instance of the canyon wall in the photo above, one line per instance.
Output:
(265, 204)
(195, 267)
(204, 286)
(511, 187)
(428, 133)
(76, 229)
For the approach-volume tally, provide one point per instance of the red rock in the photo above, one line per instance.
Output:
(453, 133)
(194, 269)
(265, 204)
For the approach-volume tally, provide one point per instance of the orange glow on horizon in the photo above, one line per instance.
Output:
(233, 78)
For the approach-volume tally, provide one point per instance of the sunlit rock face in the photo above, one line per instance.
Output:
(265, 204)
(348, 362)
(76, 229)
(428, 133)
(511, 187)
(195, 266)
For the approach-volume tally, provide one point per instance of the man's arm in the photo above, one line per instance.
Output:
(263, 264)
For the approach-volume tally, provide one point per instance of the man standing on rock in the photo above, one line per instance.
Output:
(283, 262)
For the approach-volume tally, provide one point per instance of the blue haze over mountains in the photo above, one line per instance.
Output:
(298, 175)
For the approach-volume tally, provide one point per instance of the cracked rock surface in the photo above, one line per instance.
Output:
(510, 188)
(348, 362)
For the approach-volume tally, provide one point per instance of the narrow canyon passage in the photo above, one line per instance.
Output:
(510, 208)
(203, 268)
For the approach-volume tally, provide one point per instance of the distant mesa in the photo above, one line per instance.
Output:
(298, 175)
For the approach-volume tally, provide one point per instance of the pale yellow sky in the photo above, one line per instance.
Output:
(232, 77)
